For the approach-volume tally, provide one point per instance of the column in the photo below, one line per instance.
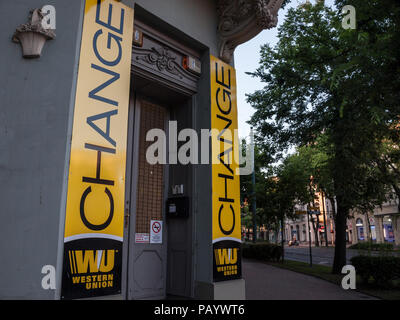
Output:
(379, 229)
(396, 228)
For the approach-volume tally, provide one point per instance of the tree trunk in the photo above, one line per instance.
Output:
(397, 191)
(340, 242)
(316, 234)
(332, 201)
(369, 227)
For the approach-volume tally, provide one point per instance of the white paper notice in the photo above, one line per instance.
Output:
(142, 238)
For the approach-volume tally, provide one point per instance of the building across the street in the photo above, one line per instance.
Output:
(380, 226)
(101, 103)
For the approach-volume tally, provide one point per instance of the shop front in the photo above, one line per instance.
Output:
(387, 226)
(360, 230)
(134, 193)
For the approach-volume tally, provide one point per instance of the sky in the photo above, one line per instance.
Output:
(247, 58)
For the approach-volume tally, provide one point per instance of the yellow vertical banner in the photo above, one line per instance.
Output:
(226, 228)
(96, 181)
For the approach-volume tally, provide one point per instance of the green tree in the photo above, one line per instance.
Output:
(297, 173)
(387, 161)
(276, 195)
(321, 78)
(262, 189)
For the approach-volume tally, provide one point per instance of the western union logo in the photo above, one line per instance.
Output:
(91, 261)
(226, 261)
(226, 256)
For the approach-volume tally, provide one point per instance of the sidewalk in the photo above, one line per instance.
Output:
(265, 282)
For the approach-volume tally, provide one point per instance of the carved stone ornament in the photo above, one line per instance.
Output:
(32, 36)
(162, 59)
(242, 20)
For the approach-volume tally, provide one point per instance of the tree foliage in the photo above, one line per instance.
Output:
(336, 90)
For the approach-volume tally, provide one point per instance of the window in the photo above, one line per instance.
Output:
(360, 230)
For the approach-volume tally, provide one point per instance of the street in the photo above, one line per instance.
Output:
(320, 255)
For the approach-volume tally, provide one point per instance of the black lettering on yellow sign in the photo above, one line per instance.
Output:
(96, 181)
(98, 146)
(225, 157)
(225, 178)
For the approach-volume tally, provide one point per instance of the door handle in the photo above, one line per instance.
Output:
(126, 220)
(127, 215)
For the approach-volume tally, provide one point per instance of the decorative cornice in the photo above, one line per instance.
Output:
(158, 60)
(241, 20)
(162, 59)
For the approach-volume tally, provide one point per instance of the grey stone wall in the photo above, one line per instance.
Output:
(35, 107)
(198, 19)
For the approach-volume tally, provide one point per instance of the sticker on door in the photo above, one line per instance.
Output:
(155, 231)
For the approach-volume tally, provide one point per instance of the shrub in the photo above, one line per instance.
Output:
(382, 269)
(262, 251)
(371, 246)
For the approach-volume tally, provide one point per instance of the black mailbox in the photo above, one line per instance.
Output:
(178, 207)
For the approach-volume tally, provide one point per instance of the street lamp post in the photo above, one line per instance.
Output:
(253, 182)
(309, 236)
(323, 209)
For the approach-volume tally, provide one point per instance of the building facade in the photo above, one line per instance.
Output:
(319, 225)
(88, 88)
(380, 226)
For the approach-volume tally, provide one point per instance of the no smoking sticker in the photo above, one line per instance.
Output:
(155, 231)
